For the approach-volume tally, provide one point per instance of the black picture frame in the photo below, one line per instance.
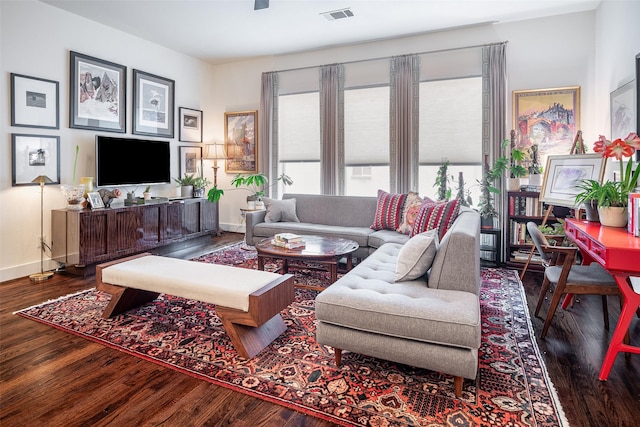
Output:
(190, 160)
(35, 102)
(97, 94)
(153, 105)
(32, 156)
(190, 129)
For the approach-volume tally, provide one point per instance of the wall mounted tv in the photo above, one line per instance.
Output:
(130, 161)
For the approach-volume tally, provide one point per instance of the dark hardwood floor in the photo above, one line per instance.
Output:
(49, 377)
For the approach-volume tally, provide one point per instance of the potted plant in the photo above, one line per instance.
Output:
(147, 193)
(442, 181)
(199, 185)
(186, 183)
(516, 170)
(613, 197)
(488, 189)
(534, 166)
(255, 183)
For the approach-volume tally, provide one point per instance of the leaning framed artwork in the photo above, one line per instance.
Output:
(95, 200)
(35, 102)
(241, 141)
(32, 156)
(623, 111)
(548, 118)
(153, 100)
(97, 94)
(564, 173)
(190, 125)
(190, 161)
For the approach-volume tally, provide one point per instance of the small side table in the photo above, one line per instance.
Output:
(243, 213)
(490, 247)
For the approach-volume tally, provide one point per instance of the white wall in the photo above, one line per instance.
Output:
(594, 50)
(35, 40)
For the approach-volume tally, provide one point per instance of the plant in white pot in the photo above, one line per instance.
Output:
(613, 197)
(186, 185)
(534, 168)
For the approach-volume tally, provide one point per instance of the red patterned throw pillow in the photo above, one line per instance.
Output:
(388, 211)
(436, 215)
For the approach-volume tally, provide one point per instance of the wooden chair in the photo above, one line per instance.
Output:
(568, 278)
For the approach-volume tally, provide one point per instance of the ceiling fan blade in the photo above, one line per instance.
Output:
(261, 4)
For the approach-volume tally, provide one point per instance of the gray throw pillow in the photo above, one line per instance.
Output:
(416, 256)
(280, 210)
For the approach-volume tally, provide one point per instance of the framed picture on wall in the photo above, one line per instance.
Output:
(190, 125)
(153, 105)
(564, 173)
(241, 141)
(35, 102)
(32, 156)
(190, 160)
(97, 94)
(549, 118)
(623, 111)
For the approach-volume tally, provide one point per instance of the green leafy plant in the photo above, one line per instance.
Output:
(534, 165)
(255, 183)
(148, 189)
(201, 182)
(186, 180)
(442, 181)
(463, 194)
(488, 188)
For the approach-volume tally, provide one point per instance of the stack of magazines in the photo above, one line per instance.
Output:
(288, 240)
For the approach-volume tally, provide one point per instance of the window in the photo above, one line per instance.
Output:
(366, 140)
(299, 141)
(450, 129)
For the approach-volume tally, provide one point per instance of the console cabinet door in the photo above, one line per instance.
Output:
(175, 217)
(209, 216)
(150, 226)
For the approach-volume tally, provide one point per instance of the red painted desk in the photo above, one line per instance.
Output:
(619, 252)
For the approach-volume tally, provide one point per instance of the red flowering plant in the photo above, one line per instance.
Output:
(617, 193)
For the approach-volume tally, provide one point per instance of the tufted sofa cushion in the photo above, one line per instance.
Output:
(369, 299)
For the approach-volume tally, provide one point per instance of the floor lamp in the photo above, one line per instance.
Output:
(43, 275)
(215, 152)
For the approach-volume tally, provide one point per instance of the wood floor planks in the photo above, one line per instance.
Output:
(49, 377)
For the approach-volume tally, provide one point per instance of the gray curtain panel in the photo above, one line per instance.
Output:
(267, 130)
(494, 83)
(403, 125)
(331, 82)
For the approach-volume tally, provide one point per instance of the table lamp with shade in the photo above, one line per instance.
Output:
(215, 152)
(43, 275)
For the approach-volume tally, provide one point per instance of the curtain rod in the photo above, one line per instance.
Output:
(387, 57)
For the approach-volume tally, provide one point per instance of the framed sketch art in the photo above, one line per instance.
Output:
(152, 105)
(190, 125)
(32, 156)
(97, 94)
(549, 118)
(190, 160)
(241, 142)
(563, 174)
(623, 111)
(34, 102)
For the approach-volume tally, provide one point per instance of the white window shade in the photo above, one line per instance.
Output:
(451, 121)
(451, 64)
(366, 126)
(299, 127)
(366, 73)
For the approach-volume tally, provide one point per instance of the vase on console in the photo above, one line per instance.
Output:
(74, 195)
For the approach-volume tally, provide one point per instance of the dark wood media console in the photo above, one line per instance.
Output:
(87, 237)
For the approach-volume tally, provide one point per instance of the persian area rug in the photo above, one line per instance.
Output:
(512, 387)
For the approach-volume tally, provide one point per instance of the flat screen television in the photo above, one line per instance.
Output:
(131, 161)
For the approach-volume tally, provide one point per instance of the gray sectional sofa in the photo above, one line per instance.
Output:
(348, 217)
(432, 322)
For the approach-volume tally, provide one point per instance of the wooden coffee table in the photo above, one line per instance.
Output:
(324, 250)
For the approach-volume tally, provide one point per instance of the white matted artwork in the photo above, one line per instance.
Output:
(34, 155)
(95, 200)
(190, 161)
(190, 125)
(623, 111)
(564, 173)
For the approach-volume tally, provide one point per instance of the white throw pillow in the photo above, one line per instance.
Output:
(280, 210)
(416, 256)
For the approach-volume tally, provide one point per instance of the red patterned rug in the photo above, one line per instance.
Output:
(512, 387)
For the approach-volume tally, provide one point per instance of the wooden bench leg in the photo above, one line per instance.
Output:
(250, 340)
(457, 383)
(125, 299)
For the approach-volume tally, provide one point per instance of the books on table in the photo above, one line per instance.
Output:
(288, 241)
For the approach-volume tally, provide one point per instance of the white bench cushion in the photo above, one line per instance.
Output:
(216, 284)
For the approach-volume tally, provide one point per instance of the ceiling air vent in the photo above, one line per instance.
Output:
(338, 14)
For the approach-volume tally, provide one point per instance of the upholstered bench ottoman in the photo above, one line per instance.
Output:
(248, 302)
